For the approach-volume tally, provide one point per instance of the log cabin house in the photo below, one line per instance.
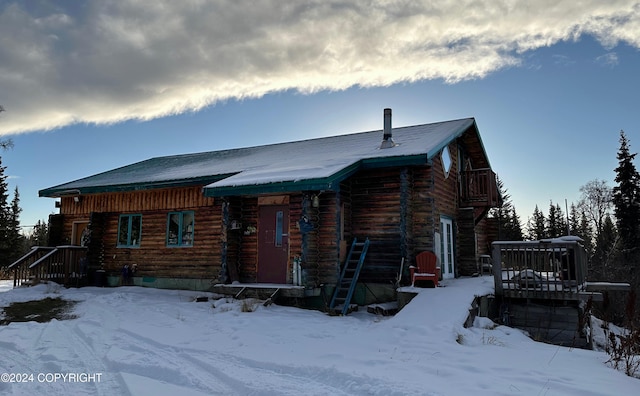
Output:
(285, 214)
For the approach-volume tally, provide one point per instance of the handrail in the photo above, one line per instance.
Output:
(20, 267)
(43, 258)
(32, 252)
(62, 264)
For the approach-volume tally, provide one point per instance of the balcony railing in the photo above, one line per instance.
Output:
(62, 264)
(549, 269)
(478, 188)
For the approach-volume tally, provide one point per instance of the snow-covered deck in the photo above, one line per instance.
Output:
(553, 269)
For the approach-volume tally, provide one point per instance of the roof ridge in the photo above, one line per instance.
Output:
(235, 149)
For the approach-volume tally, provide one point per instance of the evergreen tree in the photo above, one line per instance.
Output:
(512, 227)
(586, 233)
(556, 224)
(5, 220)
(626, 196)
(509, 227)
(17, 241)
(40, 234)
(574, 220)
(536, 227)
(11, 241)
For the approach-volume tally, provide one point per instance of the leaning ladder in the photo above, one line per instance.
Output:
(341, 300)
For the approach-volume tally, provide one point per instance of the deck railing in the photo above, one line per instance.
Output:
(478, 187)
(62, 264)
(552, 269)
(20, 268)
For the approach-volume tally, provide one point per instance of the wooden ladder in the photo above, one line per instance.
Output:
(341, 300)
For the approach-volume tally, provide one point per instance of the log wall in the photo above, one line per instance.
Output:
(248, 253)
(376, 214)
(321, 247)
(153, 258)
(242, 243)
(135, 201)
(424, 220)
(445, 192)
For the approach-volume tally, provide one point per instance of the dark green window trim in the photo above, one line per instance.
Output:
(129, 230)
(180, 229)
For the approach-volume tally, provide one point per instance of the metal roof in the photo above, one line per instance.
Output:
(294, 166)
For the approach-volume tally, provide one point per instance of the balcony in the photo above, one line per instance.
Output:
(479, 189)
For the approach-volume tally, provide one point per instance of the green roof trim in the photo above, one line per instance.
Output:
(407, 160)
(331, 183)
(55, 192)
(454, 135)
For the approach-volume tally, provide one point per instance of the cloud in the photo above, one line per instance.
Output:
(562, 60)
(609, 59)
(109, 61)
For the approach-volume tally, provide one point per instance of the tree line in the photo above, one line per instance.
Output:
(13, 242)
(606, 218)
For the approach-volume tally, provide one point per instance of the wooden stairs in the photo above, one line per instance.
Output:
(343, 293)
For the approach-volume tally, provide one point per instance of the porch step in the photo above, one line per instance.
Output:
(343, 293)
(384, 309)
(339, 309)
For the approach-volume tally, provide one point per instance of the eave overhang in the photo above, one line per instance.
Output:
(70, 190)
(331, 183)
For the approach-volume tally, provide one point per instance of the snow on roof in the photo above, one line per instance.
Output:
(284, 162)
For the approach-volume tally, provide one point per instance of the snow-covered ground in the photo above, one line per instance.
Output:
(140, 341)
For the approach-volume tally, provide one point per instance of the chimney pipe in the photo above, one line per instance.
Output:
(387, 141)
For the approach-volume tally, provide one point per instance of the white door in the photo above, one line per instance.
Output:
(447, 265)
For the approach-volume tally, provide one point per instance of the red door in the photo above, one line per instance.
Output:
(273, 243)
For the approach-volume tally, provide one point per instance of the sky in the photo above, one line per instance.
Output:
(91, 86)
(145, 341)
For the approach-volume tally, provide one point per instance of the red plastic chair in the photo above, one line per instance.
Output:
(426, 268)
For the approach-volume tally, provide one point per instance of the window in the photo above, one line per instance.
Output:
(180, 229)
(129, 230)
(446, 161)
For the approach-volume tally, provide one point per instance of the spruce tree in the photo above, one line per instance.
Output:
(11, 242)
(5, 220)
(509, 227)
(556, 225)
(585, 231)
(16, 239)
(40, 234)
(574, 220)
(536, 228)
(512, 227)
(626, 197)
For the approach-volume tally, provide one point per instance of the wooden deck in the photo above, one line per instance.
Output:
(66, 265)
(552, 269)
